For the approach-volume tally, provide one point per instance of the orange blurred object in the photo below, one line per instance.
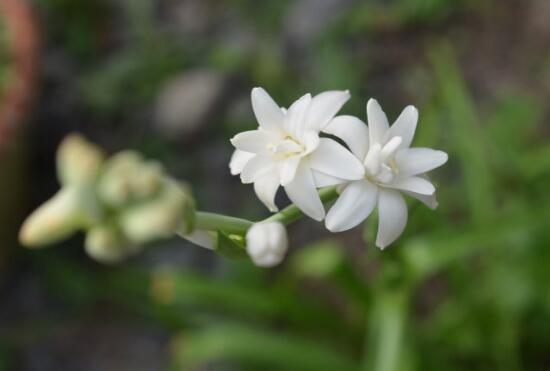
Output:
(22, 37)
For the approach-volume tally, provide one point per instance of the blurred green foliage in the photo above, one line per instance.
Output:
(5, 58)
(466, 286)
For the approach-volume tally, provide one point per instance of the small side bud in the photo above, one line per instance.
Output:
(106, 244)
(78, 161)
(267, 243)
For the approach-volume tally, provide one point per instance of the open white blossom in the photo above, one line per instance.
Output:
(267, 243)
(286, 150)
(390, 166)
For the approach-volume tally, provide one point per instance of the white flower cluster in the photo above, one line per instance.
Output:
(376, 164)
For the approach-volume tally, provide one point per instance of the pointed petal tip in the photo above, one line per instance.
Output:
(334, 228)
(412, 108)
(373, 103)
(318, 218)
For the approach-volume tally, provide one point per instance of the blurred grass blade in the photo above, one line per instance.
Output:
(465, 132)
(243, 344)
(435, 251)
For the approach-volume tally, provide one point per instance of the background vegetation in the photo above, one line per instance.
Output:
(465, 288)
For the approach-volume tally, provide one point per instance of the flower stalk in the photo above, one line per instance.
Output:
(292, 213)
(217, 222)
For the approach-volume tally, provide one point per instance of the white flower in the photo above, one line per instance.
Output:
(390, 166)
(267, 243)
(286, 150)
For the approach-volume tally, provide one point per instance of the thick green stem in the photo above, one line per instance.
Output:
(291, 213)
(229, 224)
(217, 222)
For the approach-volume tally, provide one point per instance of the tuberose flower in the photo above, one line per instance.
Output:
(267, 243)
(391, 167)
(286, 150)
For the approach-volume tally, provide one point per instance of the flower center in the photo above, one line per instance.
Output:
(287, 147)
(380, 165)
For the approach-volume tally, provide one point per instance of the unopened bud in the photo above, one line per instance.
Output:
(267, 243)
(159, 217)
(56, 219)
(106, 244)
(128, 177)
(78, 161)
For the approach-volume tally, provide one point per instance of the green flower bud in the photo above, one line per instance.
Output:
(105, 243)
(159, 217)
(70, 209)
(78, 161)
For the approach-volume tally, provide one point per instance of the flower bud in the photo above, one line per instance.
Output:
(106, 244)
(58, 218)
(159, 217)
(267, 243)
(78, 161)
(115, 185)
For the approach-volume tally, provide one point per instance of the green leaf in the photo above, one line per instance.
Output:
(465, 132)
(318, 260)
(260, 347)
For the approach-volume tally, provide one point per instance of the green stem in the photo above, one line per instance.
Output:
(291, 213)
(217, 222)
(386, 330)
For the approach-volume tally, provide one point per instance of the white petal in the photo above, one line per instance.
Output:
(238, 160)
(325, 180)
(266, 189)
(295, 119)
(286, 146)
(352, 207)
(256, 168)
(392, 217)
(302, 193)
(310, 140)
(377, 121)
(288, 169)
(415, 161)
(332, 158)
(428, 200)
(267, 112)
(414, 184)
(372, 161)
(405, 126)
(389, 148)
(324, 106)
(255, 141)
(352, 131)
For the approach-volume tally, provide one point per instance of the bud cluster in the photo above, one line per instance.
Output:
(122, 203)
